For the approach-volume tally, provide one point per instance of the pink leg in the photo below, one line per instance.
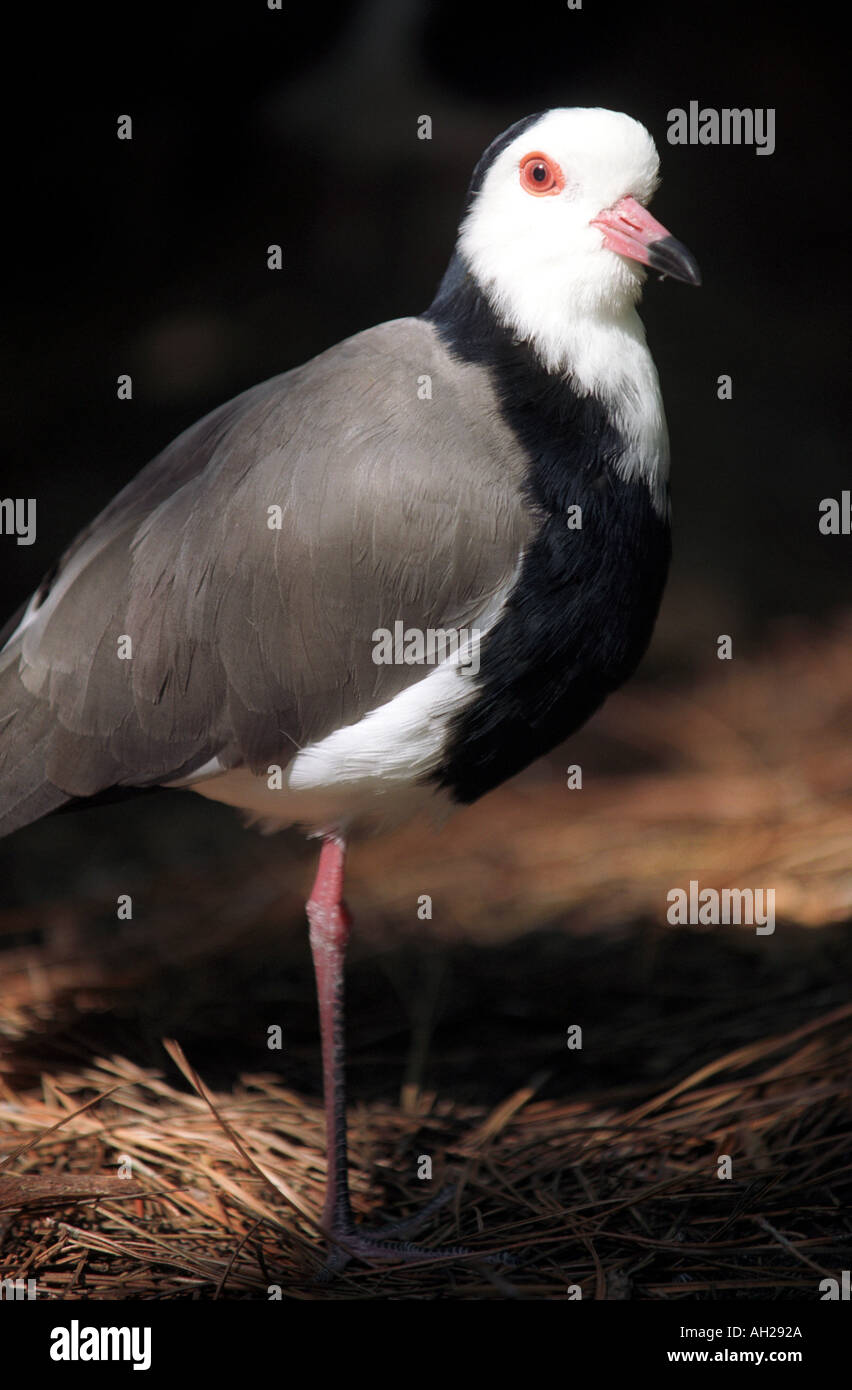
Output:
(330, 925)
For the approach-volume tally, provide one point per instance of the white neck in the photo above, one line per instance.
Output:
(610, 359)
(604, 353)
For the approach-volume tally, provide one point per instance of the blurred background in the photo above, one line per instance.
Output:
(148, 257)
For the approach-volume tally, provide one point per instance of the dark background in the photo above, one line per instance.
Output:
(299, 127)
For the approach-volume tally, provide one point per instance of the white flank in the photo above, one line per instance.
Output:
(373, 771)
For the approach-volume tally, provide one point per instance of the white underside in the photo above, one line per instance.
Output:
(371, 773)
(376, 803)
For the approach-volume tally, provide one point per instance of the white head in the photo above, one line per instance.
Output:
(556, 233)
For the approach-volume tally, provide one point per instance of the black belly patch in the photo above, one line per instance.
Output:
(574, 628)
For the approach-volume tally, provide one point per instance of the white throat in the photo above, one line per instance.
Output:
(609, 358)
(602, 353)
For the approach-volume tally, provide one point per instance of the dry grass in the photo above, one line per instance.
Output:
(621, 1199)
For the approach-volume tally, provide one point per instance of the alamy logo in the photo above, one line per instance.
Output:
(836, 515)
(748, 125)
(708, 907)
(833, 1289)
(11, 1289)
(18, 518)
(414, 646)
(76, 1343)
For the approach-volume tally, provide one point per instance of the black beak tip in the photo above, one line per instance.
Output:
(671, 257)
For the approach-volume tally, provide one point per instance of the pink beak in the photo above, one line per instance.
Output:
(630, 230)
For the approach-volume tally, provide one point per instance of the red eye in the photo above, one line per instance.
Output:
(540, 174)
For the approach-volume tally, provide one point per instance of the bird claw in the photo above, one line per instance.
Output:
(389, 1244)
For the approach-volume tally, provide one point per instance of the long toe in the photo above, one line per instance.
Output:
(389, 1244)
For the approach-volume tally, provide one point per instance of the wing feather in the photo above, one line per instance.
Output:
(250, 641)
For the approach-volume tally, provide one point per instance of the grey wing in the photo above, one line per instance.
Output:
(224, 604)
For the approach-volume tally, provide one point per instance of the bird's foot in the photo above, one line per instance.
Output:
(390, 1243)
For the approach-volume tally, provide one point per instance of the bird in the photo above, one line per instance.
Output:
(389, 579)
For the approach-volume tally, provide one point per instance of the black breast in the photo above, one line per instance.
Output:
(582, 611)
